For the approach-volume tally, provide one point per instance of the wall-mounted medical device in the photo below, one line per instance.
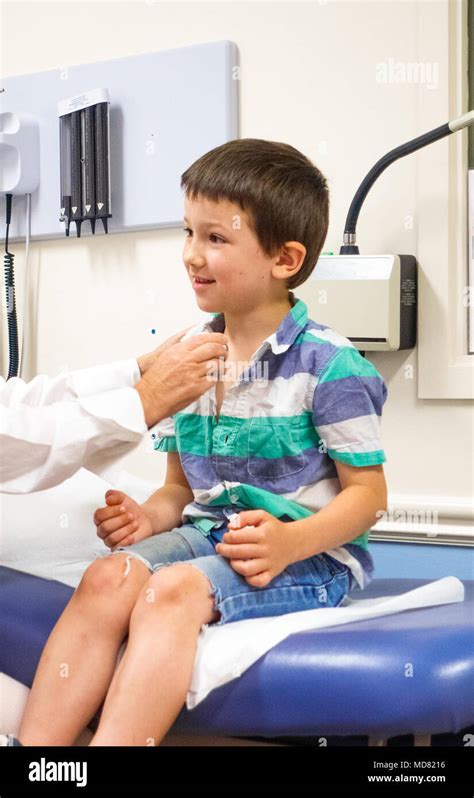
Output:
(19, 153)
(372, 300)
(84, 152)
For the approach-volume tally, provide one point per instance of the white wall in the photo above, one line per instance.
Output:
(308, 77)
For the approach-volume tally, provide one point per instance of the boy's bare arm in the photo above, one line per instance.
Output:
(353, 511)
(164, 507)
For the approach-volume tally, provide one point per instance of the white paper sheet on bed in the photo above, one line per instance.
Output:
(225, 652)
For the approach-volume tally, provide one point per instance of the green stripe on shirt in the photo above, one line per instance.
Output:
(267, 437)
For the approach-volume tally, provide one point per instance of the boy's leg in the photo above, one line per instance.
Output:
(150, 684)
(78, 661)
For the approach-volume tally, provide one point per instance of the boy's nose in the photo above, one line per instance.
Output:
(193, 258)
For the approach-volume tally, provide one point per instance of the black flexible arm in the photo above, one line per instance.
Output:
(350, 247)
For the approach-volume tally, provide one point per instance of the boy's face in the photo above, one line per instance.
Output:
(221, 247)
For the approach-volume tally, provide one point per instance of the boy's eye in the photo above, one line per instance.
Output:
(212, 236)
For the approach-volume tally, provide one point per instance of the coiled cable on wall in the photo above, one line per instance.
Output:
(9, 271)
(24, 335)
(16, 352)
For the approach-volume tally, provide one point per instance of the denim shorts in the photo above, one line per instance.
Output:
(319, 581)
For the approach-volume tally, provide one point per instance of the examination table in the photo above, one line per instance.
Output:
(367, 682)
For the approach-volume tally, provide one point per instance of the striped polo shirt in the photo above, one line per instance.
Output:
(307, 398)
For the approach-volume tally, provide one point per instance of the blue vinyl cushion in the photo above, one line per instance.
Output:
(408, 673)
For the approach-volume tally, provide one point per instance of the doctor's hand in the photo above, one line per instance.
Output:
(145, 362)
(259, 549)
(180, 373)
(122, 522)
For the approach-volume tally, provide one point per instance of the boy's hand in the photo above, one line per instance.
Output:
(259, 548)
(122, 522)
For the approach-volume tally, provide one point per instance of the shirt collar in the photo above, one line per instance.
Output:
(290, 327)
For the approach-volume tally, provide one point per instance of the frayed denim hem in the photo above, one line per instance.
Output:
(213, 590)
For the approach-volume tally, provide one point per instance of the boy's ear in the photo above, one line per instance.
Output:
(290, 260)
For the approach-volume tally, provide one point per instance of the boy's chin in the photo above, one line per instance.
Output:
(208, 305)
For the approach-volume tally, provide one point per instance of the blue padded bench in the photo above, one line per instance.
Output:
(346, 681)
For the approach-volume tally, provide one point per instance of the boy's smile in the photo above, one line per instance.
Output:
(200, 282)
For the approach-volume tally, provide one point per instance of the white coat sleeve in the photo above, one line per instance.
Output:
(43, 390)
(50, 428)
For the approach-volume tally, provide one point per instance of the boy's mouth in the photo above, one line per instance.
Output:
(200, 282)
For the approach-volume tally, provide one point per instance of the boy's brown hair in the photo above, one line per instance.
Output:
(285, 196)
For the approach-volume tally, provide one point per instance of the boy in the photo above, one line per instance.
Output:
(289, 441)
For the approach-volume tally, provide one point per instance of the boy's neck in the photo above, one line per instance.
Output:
(246, 331)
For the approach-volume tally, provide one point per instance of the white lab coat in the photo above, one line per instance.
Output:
(50, 427)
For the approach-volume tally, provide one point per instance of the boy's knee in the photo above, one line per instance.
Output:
(178, 583)
(107, 574)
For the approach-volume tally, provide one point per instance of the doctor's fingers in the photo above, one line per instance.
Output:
(209, 360)
(204, 338)
(208, 350)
